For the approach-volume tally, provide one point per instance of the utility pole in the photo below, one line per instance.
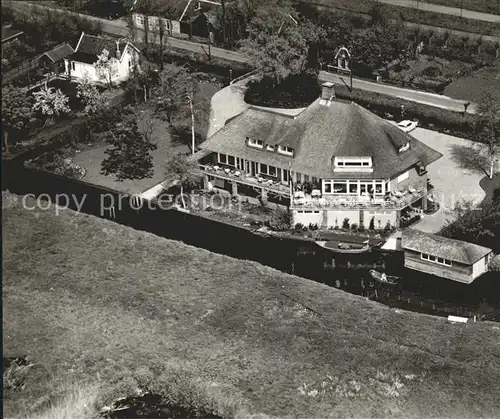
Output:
(209, 41)
(193, 143)
(223, 23)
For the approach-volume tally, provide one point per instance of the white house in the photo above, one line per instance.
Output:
(80, 65)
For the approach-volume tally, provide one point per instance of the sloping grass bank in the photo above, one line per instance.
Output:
(97, 304)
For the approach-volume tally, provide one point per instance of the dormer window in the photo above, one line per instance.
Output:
(405, 147)
(354, 162)
(255, 143)
(269, 147)
(283, 149)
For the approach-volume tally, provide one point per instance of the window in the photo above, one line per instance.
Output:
(73, 65)
(340, 187)
(269, 147)
(140, 20)
(285, 175)
(378, 188)
(353, 162)
(267, 170)
(403, 177)
(436, 259)
(130, 64)
(353, 188)
(255, 143)
(225, 159)
(306, 178)
(285, 150)
(327, 187)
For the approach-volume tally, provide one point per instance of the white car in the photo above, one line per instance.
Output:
(407, 126)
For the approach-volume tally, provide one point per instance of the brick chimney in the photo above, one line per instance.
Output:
(327, 93)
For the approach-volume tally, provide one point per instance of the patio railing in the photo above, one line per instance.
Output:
(246, 179)
(336, 202)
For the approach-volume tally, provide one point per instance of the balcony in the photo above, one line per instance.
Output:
(260, 182)
(397, 200)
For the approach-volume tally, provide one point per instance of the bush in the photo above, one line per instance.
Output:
(313, 227)
(354, 227)
(299, 227)
(372, 224)
(345, 223)
(361, 228)
(280, 220)
(388, 228)
(296, 91)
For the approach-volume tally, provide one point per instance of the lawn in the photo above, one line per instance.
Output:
(102, 309)
(168, 145)
(92, 159)
(471, 87)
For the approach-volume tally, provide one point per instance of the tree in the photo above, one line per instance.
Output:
(174, 86)
(185, 171)
(106, 67)
(489, 134)
(51, 102)
(17, 112)
(90, 96)
(488, 122)
(129, 154)
(275, 43)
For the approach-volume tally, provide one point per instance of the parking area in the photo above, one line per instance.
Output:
(455, 176)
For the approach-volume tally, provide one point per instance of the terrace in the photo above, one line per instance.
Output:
(257, 182)
(395, 200)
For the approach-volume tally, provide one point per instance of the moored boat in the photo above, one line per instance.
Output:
(342, 247)
(383, 278)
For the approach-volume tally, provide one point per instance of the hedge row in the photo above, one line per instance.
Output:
(442, 120)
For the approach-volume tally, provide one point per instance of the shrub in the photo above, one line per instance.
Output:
(299, 227)
(281, 220)
(388, 228)
(361, 228)
(372, 224)
(345, 223)
(354, 227)
(313, 227)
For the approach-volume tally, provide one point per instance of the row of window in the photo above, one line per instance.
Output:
(307, 212)
(260, 144)
(354, 187)
(435, 259)
(252, 167)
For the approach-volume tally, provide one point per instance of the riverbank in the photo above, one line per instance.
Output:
(95, 303)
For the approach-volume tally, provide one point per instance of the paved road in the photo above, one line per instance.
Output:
(432, 99)
(455, 11)
(119, 27)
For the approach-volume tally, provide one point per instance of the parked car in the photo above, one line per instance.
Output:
(407, 126)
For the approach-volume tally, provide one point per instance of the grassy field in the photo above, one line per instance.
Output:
(102, 309)
(472, 86)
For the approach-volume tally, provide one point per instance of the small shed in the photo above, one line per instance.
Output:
(447, 258)
(53, 60)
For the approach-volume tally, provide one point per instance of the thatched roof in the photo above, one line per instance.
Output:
(320, 133)
(454, 250)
